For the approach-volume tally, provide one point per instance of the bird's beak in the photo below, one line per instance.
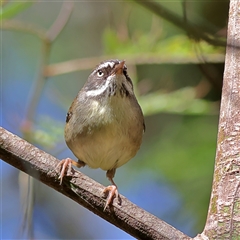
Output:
(118, 69)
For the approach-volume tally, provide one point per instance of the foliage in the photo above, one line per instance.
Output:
(140, 43)
(11, 9)
(183, 152)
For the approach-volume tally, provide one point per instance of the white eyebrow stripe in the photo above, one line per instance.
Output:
(100, 90)
(106, 64)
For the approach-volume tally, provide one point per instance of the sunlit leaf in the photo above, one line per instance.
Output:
(181, 101)
(146, 43)
(13, 8)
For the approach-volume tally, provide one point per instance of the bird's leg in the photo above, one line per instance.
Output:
(66, 165)
(112, 189)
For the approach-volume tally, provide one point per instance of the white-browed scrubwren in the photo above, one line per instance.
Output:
(104, 124)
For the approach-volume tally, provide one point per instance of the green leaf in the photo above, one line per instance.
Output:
(142, 42)
(181, 101)
(13, 8)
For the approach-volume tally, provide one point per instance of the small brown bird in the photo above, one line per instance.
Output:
(105, 124)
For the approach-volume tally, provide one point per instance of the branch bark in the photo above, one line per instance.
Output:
(223, 221)
(83, 190)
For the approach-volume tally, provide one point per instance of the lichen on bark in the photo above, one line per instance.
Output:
(223, 221)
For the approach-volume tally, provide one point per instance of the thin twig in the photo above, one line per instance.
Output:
(37, 89)
(61, 21)
(192, 30)
(22, 26)
(88, 63)
(47, 38)
(39, 84)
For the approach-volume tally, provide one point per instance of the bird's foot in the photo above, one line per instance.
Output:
(64, 165)
(112, 192)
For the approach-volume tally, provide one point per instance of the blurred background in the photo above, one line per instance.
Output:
(48, 49)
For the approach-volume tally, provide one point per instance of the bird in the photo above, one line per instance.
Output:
(105, 124)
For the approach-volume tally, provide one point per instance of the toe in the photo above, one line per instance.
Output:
(65, 165)
(112, 193)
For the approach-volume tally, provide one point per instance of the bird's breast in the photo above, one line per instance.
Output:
(109, 135)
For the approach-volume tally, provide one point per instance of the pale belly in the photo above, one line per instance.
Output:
(108, 147)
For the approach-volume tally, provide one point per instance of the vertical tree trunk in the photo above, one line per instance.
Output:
(223, 221)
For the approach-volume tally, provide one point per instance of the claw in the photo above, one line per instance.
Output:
(65, 164)
(112, 192)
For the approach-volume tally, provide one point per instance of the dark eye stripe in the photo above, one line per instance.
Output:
(127, 77)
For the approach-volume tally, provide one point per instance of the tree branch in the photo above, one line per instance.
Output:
(83, 190)
(223, 221)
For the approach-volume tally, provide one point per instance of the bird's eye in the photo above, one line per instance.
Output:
(100, 73)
